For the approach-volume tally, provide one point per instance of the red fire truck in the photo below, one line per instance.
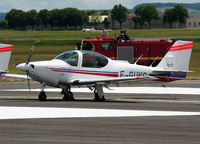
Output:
(148, 51)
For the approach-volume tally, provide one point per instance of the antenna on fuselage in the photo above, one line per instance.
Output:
(154, 61)
(138, 59)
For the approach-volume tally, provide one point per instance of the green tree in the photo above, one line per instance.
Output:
(145, 14)
(58, 17)
(84, 18)
(77, 18)
(106, 23)
(119, 14)
(181, 14)
(31, 18)
(44, 17)
(136, 20)
(90, 12)
(176, 14)
(16, 19)
(149, 13)
(139, 12)
(3, 24)
(169, 17)
(104, 12)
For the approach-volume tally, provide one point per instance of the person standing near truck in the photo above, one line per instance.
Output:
(126, 36)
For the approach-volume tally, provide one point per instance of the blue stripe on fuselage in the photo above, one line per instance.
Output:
(169, 75)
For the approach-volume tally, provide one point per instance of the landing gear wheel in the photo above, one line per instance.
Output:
(98, 98)
(42, 96)
(68, 96)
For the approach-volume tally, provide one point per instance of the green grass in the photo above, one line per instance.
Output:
(79, 35)
(45, 35)
(48, 44)
(160, 33)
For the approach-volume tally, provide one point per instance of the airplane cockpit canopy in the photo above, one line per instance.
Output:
(90, 59)
(70, 57)
(93, 59)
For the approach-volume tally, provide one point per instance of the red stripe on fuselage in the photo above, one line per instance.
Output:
(89, 73)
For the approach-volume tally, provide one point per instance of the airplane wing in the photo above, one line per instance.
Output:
(113, 80)
(18, 76)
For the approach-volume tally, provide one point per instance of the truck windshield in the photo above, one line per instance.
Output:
(70, 57)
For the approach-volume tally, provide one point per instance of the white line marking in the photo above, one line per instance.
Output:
(130, 90)
(39, 112)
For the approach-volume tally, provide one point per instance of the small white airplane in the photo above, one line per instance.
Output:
(97, 71)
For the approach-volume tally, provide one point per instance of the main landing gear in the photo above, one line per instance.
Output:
(98, 93)
(68, 95)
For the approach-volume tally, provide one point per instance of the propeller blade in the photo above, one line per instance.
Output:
(29, 86)
(27, 62)
(29, 55)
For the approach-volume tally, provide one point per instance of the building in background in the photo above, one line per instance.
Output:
(193, 22)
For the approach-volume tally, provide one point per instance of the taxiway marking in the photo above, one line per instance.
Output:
(130, 90)
(41, 112)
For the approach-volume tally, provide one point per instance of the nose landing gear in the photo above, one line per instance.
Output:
(42, 96)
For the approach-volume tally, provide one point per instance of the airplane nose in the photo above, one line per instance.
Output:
(22, 67)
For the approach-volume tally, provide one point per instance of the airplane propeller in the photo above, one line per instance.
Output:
(29, 55)
(27, 67)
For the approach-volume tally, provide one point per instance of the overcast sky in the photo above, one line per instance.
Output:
(6, 5)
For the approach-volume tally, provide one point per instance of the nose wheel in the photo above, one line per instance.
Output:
(42, 96)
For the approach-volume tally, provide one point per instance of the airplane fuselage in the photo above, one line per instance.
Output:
(57, 72)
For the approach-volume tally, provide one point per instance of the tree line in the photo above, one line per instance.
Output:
(18, 19)
(148, 13)
(72, 17)
(177, 14)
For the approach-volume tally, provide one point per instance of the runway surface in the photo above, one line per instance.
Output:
(139, 115)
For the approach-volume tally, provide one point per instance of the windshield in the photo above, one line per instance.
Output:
(70, 57)
(93, 60)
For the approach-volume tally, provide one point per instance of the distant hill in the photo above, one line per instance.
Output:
(2, 16)
(193, 8)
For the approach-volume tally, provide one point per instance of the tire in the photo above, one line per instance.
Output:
(42, 96)
(68, 96)
(97, 97)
